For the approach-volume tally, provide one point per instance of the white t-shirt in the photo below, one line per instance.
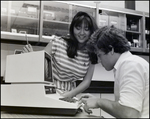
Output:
(132, 83)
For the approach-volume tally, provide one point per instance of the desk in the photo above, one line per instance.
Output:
(78, 115)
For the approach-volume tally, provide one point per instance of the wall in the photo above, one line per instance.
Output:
(92, 3)
(100, 74)
(142, 6)
(139, 5)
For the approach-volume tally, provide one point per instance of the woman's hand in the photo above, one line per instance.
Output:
(64, 94)
(27, 48)
(67, 94)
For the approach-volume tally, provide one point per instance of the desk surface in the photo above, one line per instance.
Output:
(78, 115)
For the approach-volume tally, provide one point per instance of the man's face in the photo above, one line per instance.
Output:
(105, 60)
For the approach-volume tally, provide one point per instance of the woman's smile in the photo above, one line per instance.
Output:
(82, 32)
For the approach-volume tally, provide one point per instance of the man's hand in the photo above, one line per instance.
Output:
(89, 101)
(86, 96)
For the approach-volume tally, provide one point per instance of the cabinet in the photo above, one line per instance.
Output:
(19, 18)
(37, 19)
(41, 19)
(147, 30)
(105, 18)
(134, 31)
(57, 16)
(135, 25)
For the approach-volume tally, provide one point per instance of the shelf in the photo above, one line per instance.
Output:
(21, 20)
(18, 36)
(4, 15)
(59, 22)
(135, 32)
(21, 37)
(55, 24)
(120, 10)
(147, 30)
(135, 49)
(20, 23)
(147, 33)
(147, 50)
(46, 39)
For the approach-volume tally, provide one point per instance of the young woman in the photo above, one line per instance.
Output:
(71, 61)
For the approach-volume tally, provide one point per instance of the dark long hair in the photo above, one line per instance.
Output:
(72, 42)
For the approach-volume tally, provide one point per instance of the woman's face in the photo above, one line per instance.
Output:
(82, 32)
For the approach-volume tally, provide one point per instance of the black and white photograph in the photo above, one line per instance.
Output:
(75, 59)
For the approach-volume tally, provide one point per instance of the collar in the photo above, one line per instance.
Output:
(121, 58)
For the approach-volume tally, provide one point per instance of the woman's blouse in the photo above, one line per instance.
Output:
(67, 70)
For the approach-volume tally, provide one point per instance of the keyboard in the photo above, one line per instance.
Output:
(68, 99)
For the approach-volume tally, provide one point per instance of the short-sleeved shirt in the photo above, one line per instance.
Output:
(132, 83)
(67, 70)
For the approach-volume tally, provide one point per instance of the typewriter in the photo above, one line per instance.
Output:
(29, 86)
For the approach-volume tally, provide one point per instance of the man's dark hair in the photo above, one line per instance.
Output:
(107, 37)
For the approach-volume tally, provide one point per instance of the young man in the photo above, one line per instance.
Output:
(131, 75)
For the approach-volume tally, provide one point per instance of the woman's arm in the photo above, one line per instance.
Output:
(83, 85)
(28, 48)
(48, 48)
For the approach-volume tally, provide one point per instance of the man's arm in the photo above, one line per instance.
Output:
(112, 107)
(117, 110)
